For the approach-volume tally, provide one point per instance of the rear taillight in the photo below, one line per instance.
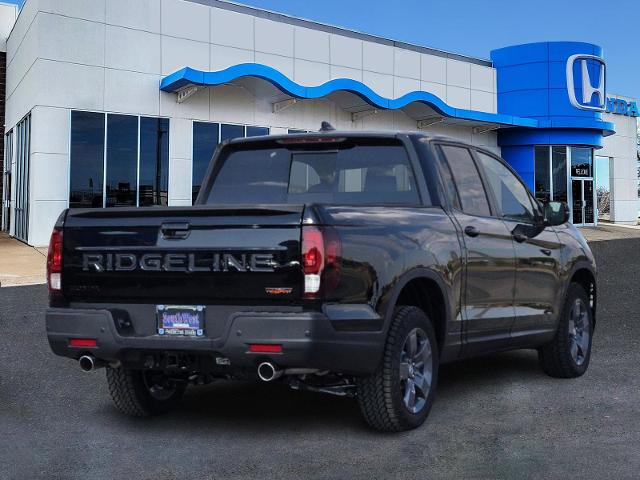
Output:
(321, 259)
(265, 348)
(54, 262)
(83, 342)
(305, 140)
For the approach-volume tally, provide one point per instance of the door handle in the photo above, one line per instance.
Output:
(546, 251)
(471, 231)
(175, 231)
(519, 237)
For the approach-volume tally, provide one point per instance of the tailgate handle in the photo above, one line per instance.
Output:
(175, 231)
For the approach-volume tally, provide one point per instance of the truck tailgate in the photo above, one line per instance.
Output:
(202, 254)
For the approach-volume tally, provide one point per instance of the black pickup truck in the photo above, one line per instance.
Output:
(343, 262)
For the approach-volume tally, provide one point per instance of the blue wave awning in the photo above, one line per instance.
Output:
(418, 104)
(187, 77)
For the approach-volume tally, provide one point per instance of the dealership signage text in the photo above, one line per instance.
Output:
(622, 107)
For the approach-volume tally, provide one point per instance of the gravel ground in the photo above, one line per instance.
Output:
(494, 417)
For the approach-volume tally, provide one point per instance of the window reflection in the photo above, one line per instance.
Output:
(542, 177)
(122, 160)
(205, 140)
(87, 160)
(154, 161)
(257, 131)
(229, 132)
(581, 161)
(559, 165)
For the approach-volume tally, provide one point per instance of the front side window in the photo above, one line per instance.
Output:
(349, 173)
(510, 193)
(471, 194)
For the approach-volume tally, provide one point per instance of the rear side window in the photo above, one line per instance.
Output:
(346, 173)
(471, 194)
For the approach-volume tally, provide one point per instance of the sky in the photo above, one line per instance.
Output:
(475, 27)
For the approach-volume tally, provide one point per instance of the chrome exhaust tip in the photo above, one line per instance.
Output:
(267, 372)
(89, 363)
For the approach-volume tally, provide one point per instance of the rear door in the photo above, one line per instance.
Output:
(490, 258)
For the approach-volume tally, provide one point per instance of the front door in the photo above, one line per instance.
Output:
(538, 263)
(537, 251)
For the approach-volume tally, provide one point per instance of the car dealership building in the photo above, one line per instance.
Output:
(122, 103)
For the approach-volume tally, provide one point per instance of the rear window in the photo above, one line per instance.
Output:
(344, 173)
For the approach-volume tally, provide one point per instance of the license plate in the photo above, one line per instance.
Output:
(184, 320)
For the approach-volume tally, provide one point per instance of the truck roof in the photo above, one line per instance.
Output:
(341, 134)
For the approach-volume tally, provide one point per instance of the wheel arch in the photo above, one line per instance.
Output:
(425, 289)
(585, 276)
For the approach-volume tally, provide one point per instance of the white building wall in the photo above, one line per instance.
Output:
(621, 149)
(8, 15)
(110, 56)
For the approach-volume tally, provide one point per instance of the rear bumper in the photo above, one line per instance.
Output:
(344, 339)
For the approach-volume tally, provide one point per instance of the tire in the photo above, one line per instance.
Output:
(138, 393)
(382, 395)
(569, 353)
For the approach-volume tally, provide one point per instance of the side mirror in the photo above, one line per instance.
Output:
(555, 213)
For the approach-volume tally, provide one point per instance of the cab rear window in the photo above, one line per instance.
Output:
(345, 173)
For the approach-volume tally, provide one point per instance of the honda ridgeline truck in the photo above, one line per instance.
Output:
(342, 262)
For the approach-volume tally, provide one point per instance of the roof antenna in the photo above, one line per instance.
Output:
(326, 127)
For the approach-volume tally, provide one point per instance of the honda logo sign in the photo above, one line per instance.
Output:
(588, 87)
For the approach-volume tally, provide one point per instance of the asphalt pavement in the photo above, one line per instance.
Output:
(494, 417)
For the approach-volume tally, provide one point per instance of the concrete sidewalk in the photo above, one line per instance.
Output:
(21, 264)
(608, 231)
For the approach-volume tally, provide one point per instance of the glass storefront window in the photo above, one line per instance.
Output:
(542, 177)
(154, 161)
(229, 132)
(257, 131)
(136, 150)
(551, 173)
(581, 162)
(87, 160)
(559, 175)
(206, 138)
(122, 160)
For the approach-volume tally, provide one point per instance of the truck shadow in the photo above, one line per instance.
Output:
(260, 407)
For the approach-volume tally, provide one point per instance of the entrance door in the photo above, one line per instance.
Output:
(582, 201)
(6, 178)
(21, 205)
(583, 211)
